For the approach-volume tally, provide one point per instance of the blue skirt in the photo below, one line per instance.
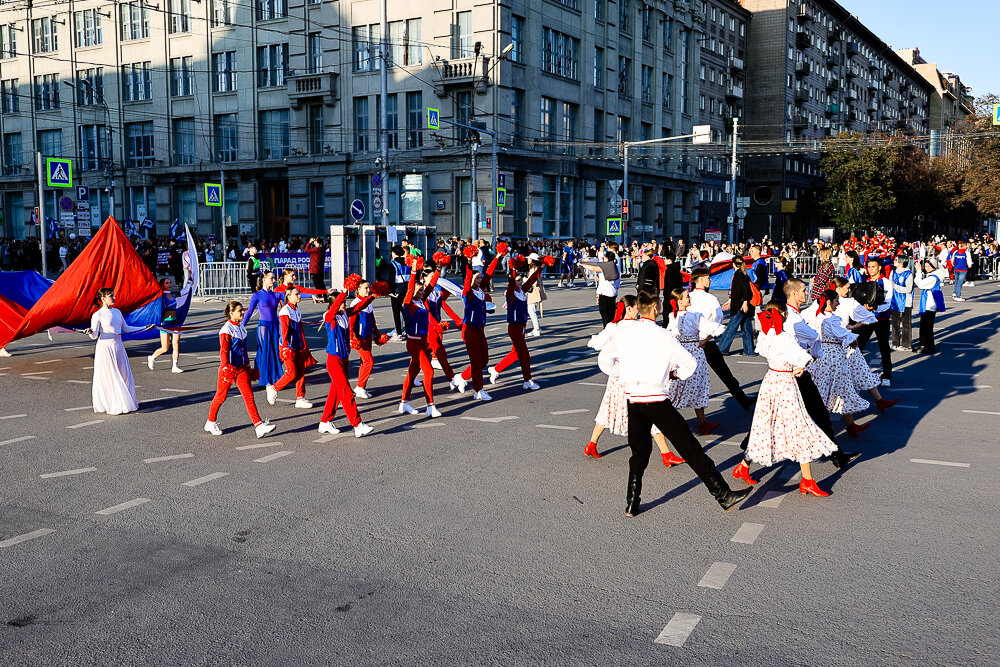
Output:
(268, 362)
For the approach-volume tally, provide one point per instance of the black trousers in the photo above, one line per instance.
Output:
(642, 416)
(881, 331)
(927, 330)
(606, 304)
(318, 282)
(396, 302)
(902, 328)
(815, 407)
(717, 363)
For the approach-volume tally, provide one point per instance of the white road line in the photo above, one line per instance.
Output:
(490, 420)
(206, 478)
(907, 407)
(21, 439)
(678, 629)
(717, 576)
(75, 381)
(748, 533)
(898, 389)
(36, 373)
(82, 407)
(558, 428)
(771, 499)
(35, 377)
(88, 368)
(65, 473)
(964, 375)
(12, 417)
(429, 425)
(90, 423)
(211, 356)
(976, 386)
(41, 532)
(327, 438)
(981, 412)
(124, 506)
(569, 412)
(167, 458)
(940, 463)
(271, 457)
(177, 391)
(50, 361)
(262, 445)
(596, 384)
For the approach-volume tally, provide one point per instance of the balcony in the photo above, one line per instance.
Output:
(801, 39)
(833, 60)
(853, 49)
(800, 123)
(305, 87)
(832, 109)
(873, 105)
(801, 95)
(734, 92)
(832, 84)
(801, 68)
(851, 96)
(804, 14)
(736, 63)
(460, 72)
(835, 35)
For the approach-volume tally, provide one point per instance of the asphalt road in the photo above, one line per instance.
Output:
(485, 536)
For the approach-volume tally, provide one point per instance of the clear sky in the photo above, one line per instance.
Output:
(960, 36)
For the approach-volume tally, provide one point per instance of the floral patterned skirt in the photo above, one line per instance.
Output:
(692, 392)
(834, 381)
(782, 429)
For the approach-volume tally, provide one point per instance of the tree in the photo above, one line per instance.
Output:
(859, 188)
(980, 157)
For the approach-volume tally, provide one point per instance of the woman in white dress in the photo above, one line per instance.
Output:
(113, 388)
(830, 372)
(849, 310)
(781, 428)
(692, 330)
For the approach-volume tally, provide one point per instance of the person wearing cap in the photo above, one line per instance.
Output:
(536, 295)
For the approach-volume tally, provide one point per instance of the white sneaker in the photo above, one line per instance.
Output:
(886, 383)
(361, 392)
(970, 284)
(432, 411)
(481, 395)
(417, 382)
(272, 394)
(213, 428)
(396, 338)
(263, 428)
(494, 374)
(176, 369)
(150, 360)
(957, 298)
(4, 352)
(362, 429)
(328, 427)
(536, 333)
(406, 409)
(530, 384)
(459, 383)
(436, 364)
(302, 403)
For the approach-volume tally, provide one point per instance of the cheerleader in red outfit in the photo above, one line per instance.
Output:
(435, 297)
(337, 323)
(474, 325)
(294, 351)
(517, 317)
(364, 330)
(234, 367)
(417, 326)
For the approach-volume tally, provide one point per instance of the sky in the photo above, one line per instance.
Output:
(959, 36)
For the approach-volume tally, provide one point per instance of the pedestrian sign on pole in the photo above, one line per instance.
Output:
(996, 114)
(433, 119)
(58, 172)
(614, 226)
(501, 197)
(213, 194)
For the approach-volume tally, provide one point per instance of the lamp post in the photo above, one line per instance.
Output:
(110, 170)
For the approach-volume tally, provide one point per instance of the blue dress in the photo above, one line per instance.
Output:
(268, 360)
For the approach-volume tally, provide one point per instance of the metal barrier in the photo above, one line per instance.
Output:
(805, 267)
(222, 279)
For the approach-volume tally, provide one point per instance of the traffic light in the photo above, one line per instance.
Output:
(624, 209)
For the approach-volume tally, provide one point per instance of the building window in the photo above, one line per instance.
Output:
(12, 153)
(391, 120)
(180, 16)
(317, 129)
(88, 28)
(516, 115)
(516, 39)
(365, 40)
(274, 142)
(268, 10)
(224, 72)
(315, 65)
(222, 12)
(623, 16)
(685, 48)
(45, 36)
(414, 53)
(668, 91)
(134, 21)
(180, 76)
(8, 41)
(50, 143)
(559, 53)
(547, 109)
(463, 112)
(598, 10)
(569, 121)
(136, 84)
(598, 126)
(644, 15)
(272, 65)
(411, 199)
(414, 119)
(139, 144)
(9, 97)
(668, 27)
(317, 206)
(185, 204)
(361, 124)
(227, 137)
(622, 134)
(624, 77)
(598, 67)
(462, 48)
(183, 141)
(46, 92)
(557, 206)
(90, 86)
(396, 43)
(647, 83)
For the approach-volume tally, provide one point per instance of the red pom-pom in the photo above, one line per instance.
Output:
(352, 281)
(355, 343)
(444, 261)
(549, 260)
(470, 251)
(380, 288)
(383, 339)
(228, 373)
(518, 261)
(502, 248)
(253, 374)
(287, 354)
(410, 259)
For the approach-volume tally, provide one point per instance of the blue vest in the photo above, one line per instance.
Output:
(780, 278)
(433, 302)
(294, 334)
(517, 311)
(475, 310)
(364, 325)
(238, 352)
(402, 273)
(899, 298)
(854, 276)
(336, 339)
(937, 295)
(417, 323)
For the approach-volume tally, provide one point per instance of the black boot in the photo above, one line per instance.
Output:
(632, 494)
(842, 459)
(727, 498)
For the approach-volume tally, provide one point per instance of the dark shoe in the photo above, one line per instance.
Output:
(632, 494)
(726, 497)
(748, 402)
(841, 459)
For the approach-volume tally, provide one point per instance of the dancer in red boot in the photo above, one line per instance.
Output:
(517, 318)
(417, 325)
(294, 351)
(337, 323)
(473, 329)
(234, 367)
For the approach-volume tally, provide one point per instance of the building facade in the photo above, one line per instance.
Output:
(950, 102)
(280, 101)
(815, 71)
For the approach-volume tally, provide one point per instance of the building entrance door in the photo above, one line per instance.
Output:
(274, 210)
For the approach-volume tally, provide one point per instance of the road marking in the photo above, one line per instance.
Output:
(570, 412)
(898, 389)
(489, 420)
(328, 437)
(82, 407)
(35, 377)
(589, 362)
(65, 473)
(981, 412)
(430, 425)
(50, 361)
(748, 533)
(211, 356)
(558, 428)
(262, 445)
(122, 507)
(907, 407)
(90, 423)
(88, 368)
(271, 457)
(177, 391)
(596, 384)
(41, 532)
(167, 458)
(717, 576)
(21, 439)
(976, 386)
(74, 381)
(940, 463)
(12, 417)
(678, 629)
(964, 375)
(36, 373)
(771, 499)
(206, 478)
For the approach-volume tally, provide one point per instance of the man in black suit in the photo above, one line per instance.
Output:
(741, 311)
(648, 279)
(672, 279)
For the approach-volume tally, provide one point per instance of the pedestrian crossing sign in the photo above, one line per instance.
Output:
(501, 197)
(58, 172)
(614, 226)
(996, 114)
(213, 194)
(433, 118)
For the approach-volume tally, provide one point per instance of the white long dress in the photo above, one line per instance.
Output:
(690, 328)
(114, 388)
(862, 374)
(831, 372)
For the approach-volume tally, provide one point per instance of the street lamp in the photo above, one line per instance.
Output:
(110, 155)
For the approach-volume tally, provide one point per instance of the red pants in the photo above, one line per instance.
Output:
(438, 352)
(295, 371)
(367, 362)
(340, 392)
(222, 390)
(419, 361)
(518, 352)
(479, 355)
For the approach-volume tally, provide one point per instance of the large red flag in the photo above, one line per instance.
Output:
(109, 260)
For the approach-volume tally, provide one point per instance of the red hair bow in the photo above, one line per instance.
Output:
(820, 304)
(673, 306)
(619, 312)
(770, 320)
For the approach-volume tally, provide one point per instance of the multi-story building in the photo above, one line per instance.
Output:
(283, 97)
(950, 102)
(815, 71)
(722, 78)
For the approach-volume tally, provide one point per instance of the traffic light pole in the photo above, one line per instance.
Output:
(475, 202)
(42, 232)
(732, 186)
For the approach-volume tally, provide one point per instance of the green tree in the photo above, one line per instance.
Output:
(979, 157)
(859, 187)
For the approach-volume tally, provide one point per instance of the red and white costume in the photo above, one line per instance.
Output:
(830, 372)
(294, 350)
(364, 331)
(691, 328)
(861, 373)
(517, 318)
(337, 325)
(417, 326)
(234, 367)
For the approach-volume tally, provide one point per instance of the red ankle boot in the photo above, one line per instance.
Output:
(808, 487)
(671, 459)
(707, 427)
(854, 429)
(742, 472)
(882, 404)
(591, 450)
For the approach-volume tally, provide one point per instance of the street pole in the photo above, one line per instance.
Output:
(41, 213)
(496, 210)
(384, 113)
(625, 193)
(732, 185)
(475, 199)
(222, 196)
(111, 165)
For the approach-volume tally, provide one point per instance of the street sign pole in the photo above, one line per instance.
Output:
(222, 197)
(732, 182)
(41, 214)
(384, 111)
(625, 189)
